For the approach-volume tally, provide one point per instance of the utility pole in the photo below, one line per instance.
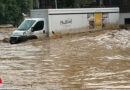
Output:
(56, 4)
(36, 4)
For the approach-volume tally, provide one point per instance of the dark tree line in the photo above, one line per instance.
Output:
(11, 10)
(66, 3)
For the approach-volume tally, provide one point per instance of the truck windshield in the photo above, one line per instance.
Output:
(26, 24)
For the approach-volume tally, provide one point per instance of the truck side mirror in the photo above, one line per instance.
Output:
(32, 29)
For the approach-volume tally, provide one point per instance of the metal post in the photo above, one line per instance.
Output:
(101, 3)
(56, 4)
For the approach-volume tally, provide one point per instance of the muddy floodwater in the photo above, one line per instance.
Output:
(87, 61)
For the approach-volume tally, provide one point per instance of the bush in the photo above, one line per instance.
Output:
(11, 11)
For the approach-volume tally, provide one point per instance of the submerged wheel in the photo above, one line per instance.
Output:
(13, 40)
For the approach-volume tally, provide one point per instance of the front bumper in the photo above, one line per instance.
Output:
(17, 39)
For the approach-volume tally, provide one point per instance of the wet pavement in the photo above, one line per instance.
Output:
(88, 61)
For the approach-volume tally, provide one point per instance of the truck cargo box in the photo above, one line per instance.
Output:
(77, 20)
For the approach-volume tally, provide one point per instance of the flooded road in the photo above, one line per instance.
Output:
(86, 61)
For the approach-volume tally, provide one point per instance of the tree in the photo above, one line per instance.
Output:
(63, 3)
(11, 11)
(81, 3)
(2, 13)
(25, 5)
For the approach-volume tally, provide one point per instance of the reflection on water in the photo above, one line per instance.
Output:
(75, 62)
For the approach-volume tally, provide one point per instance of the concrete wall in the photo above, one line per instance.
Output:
(114, 18)
(123, 16)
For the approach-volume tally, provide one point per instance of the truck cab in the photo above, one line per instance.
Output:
(29, 28)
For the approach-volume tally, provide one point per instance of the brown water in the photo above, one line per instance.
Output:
(73, 62)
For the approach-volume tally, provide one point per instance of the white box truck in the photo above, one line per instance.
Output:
(48, 22)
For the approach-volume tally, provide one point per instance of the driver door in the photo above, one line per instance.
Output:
(39, 29)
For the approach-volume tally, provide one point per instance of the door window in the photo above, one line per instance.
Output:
(39, 26)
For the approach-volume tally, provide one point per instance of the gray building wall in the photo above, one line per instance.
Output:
(123, 16)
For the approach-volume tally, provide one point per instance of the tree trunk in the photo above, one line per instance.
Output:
(35, 4)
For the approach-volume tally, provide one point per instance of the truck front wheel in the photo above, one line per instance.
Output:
(13, 40)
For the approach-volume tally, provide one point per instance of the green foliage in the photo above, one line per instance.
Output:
(2, 13)
(65, 3)
(11, 11)
(81, 3)
(25, 5)
(70, 3)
